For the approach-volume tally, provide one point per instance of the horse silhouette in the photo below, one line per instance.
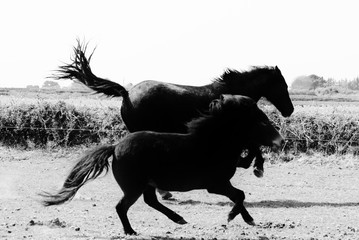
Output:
(165, 107)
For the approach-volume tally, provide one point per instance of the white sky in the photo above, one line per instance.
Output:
(184, 41)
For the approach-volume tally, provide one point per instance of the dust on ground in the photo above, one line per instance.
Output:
(312, 197)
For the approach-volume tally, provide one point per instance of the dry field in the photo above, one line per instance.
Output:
(312, 197)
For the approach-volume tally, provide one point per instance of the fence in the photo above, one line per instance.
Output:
(64, 125)
(59, 124)
(60, 137)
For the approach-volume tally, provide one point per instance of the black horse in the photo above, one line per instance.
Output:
(203, 158)
(165, 107)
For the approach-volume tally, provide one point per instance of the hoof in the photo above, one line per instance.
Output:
(131, 232)
(252, 223)
(258, 173)
(230, 218)
(182, 221)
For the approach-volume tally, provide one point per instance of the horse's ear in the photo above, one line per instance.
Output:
(277, 69)
(216, 104)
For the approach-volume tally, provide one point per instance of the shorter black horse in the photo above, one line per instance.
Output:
(203, 158)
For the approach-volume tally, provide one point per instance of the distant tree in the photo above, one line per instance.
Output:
(310, 82)
(343, 83)
(77, 86)
(302, 83)
(317, 81)
(51, 85)
(331, 82)
(354, 84)
(129, 86)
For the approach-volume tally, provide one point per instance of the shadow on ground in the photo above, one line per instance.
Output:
(269, 204)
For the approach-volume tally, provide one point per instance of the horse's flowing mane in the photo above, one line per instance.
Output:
(230, 75)
(228, 113)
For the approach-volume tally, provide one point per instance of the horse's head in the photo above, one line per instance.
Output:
(276, 91)
(259, 82)
(242, 111)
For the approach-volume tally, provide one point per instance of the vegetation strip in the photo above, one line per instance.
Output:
(41, 124)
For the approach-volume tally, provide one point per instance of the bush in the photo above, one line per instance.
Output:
(326, 129)
(320, 132)
(60, 124)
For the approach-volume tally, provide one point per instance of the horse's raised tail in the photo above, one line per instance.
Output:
(80, 70)
(89, 167)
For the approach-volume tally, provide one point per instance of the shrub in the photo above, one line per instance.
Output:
(325, 128)
(328, 133)
(60, 124)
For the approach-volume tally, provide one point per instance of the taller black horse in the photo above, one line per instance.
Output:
(166, 107)
(203, 158)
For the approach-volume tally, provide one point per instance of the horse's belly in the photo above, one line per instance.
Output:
(181, 183)
(191, 180)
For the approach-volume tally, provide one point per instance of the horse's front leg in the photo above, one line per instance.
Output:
(258, 168)
(237, 196)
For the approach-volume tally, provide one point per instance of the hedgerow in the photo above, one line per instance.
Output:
(328, 133)
(58, 124)
(50, 124)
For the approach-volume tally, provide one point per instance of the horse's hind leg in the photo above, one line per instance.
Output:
(122, 207)
(149, 196)
(237, 196)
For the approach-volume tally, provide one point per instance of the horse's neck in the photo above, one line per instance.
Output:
(255, 86)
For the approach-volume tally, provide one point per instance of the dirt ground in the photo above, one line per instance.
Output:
(309, 198)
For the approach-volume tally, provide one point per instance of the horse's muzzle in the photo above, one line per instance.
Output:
(277, 143)
(287, 112)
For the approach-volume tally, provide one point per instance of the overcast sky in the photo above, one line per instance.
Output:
(185, 42)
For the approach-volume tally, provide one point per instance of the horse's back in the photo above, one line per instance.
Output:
(149, 86)
(151, 89)
(148, 147)
(163, 107)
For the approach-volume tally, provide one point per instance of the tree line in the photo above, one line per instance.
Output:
(52, 85)
(313, 82)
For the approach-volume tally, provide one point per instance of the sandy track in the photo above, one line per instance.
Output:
(297, 200)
